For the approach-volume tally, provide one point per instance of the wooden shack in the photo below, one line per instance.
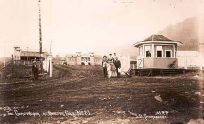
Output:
(25, 57)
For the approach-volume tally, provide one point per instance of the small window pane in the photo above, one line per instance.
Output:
(159, 47)
(159, 53)
(168, 53)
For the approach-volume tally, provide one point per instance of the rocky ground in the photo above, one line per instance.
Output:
(80, 94)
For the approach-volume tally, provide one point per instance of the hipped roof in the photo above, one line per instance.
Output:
(157, 39)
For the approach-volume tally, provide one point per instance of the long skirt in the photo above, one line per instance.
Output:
(111, 70)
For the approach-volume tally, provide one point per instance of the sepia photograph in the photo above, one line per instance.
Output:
(102, 62)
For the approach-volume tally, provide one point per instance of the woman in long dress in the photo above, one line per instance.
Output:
(111, 67)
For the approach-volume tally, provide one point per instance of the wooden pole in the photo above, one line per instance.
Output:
(40, 36)
(40, 30)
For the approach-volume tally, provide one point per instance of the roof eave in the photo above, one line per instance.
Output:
(137, 44)
(146, 42)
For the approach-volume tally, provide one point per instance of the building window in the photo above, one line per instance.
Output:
(147, 51)
(168, 53)
(148, 54)
(83, 59)
(159, 53)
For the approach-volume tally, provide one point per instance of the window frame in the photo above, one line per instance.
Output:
(170, 53)
(161, 53)
(146, 54)
(159, 48)
(147, 48)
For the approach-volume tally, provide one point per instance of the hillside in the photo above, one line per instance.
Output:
(186, 32)
(7, 59)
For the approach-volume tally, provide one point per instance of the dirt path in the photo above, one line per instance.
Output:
(80, 94)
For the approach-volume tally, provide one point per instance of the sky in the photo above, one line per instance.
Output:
(99, 26)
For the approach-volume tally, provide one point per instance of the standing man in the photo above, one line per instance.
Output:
(117, 66)
(114, 56)
(110, 58)
(35, 71)
(104, 65)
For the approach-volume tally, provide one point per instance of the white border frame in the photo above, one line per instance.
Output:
(144, 54)
(159, 50)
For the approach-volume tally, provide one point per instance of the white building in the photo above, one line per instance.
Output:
(83, 59)
(28, 57)
(190, 60)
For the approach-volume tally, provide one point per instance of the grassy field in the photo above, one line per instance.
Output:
(80, 94)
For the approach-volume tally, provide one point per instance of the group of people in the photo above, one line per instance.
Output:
(111, 66)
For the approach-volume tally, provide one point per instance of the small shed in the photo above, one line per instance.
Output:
(157, 51)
